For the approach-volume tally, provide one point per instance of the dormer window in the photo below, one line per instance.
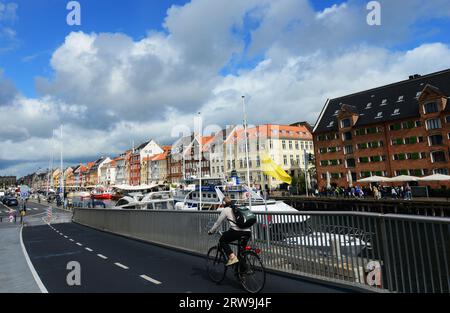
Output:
(331, 124)
(345, 123)
(430, 107)
(384, 102)
(369, 106)
(396, 112)
(401, 99)
(379, 115)
(336, 112)
(418, 94)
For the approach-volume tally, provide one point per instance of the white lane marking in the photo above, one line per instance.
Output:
(30, 265)
(102, 256)
(122, 266)
(156, 282)
(72, 240)
(89, 249)
(79, 244)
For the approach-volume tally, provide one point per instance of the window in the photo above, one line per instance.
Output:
(375, 158)
(379, 115)
(324, 163)
(401, 99)
(323, 150)
(384, 102)
(430, 107)
(397, 142)
(290, 144)
(442, 171)
(369, 106)
(284, 144)
(372, 130)
(410, 140)
(348, 149)
(364, 160)
(396, 112)
(345, 123)
(350, 163)
(285, 160)
(433, 124)
(347, 136)
(296, 145)
(397, 126)
(408, 125)
(331, 124)
(332, 149)
(435, 140)
(362, 146)
(438, 157)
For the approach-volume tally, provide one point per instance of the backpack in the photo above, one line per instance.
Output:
(244, 217)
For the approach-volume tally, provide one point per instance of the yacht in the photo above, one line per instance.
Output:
(215, 189)
(161, 200)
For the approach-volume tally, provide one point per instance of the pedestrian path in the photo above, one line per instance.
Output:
(15, 274)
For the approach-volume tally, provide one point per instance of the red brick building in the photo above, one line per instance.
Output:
(398, 129)
(134, 160)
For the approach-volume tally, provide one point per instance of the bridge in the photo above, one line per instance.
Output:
(163, 252)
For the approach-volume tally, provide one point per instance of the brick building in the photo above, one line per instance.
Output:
(398, 129)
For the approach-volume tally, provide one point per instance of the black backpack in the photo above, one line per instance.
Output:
(244, 217)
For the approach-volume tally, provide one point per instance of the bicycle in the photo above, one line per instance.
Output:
(247, 270)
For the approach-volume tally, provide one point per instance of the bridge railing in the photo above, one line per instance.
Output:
(393, 253)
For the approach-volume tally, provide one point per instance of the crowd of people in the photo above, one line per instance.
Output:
(376, 192)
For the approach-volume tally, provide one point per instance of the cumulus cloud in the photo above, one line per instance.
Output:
(108, 89)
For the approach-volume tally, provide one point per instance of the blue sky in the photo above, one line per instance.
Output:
(122, 76)
(41, 27)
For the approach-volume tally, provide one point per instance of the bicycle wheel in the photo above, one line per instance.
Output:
(252, 273)
(215, 265)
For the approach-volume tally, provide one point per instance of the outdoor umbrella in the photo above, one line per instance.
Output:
(403, 178)
(374, 179)
(436, 177)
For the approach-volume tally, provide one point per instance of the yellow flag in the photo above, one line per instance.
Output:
(272, 169)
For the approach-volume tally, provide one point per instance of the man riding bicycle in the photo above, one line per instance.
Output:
(233, 234)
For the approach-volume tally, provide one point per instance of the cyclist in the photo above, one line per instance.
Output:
(233, 234)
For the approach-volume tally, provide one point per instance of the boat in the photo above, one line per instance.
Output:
(101, 193)
(215, 189)
(160, 200)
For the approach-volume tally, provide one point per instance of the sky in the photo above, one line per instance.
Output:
(138, 70)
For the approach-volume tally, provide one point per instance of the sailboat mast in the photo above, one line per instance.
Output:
(200, 148)
(247, 150)
(62, 166)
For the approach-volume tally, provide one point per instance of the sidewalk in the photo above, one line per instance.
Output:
(15, 275)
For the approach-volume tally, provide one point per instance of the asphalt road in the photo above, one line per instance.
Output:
(111, 263)
(32, 210)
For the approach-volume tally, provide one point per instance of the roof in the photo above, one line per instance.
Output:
(271, 131)
(388, 103)
(161, 156)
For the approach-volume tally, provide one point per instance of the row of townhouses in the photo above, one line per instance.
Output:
(222, 154)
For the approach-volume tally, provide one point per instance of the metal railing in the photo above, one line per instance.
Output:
(415, 207)
(394, 253)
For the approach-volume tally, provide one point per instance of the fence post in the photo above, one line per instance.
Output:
(386, 256)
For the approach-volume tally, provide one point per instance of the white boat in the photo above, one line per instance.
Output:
(215, 189)
(326, 243)
(161, 200)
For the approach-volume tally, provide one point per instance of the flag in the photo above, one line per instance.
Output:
(272, 169)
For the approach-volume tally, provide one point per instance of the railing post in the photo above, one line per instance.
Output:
(386, 256)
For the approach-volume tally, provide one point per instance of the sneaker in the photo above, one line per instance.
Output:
(232, 261)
